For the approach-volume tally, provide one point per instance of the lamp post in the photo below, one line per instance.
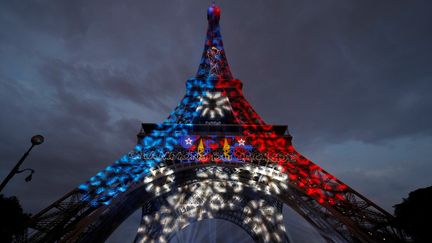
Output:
(35, 140)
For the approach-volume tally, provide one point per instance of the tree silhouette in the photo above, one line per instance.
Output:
(12, 219)
(414, 214)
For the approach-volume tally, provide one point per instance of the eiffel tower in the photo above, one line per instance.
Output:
(212, 158)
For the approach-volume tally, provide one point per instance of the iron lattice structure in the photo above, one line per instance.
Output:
(213, 157)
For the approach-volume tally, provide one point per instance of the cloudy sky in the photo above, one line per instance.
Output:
(351, 79)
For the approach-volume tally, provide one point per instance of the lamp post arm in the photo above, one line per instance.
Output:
(15, 169)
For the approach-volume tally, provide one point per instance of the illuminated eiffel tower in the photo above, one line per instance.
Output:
(213, 158)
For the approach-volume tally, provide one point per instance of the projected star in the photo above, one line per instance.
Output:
(241, 142)
(213, 105)
(188, 141)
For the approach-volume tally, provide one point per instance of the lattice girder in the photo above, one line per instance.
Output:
(213, 126)
(211, 199)
(273, 172)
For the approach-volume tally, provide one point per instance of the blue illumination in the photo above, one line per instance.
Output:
(99, 190)
(83, 187)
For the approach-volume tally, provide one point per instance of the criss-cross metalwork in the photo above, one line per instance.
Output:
(213, 157)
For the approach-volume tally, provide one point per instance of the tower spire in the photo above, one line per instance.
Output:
(214, 65)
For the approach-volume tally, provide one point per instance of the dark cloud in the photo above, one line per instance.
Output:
(127, 84)
(351, 79)
(356, 71)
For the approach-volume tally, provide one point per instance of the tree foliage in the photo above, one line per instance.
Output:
(12, 219)
(414, 214)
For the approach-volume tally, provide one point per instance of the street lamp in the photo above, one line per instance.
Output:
(35, 140)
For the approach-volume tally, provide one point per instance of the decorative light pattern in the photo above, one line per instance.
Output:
(212, 96)
(189, 138)
(210, 198)
(188, 141)
(213, 105)
(214, 58)
(157, 149)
